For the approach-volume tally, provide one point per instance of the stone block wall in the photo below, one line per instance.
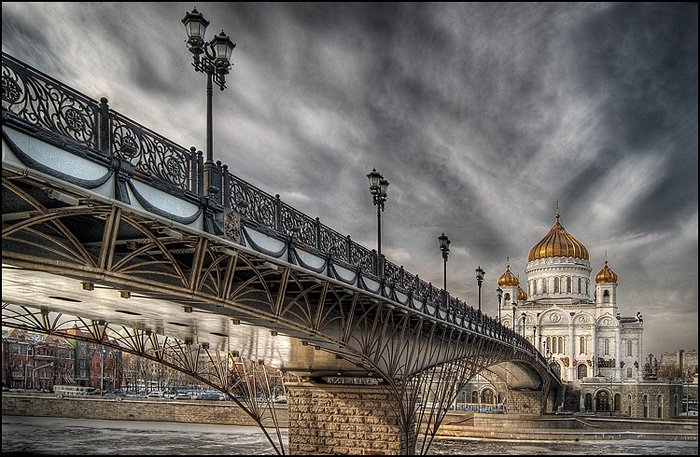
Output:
(524, 401)
(343, 419)
(204, 412)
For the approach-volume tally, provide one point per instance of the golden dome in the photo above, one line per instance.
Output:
(606, 275)
(558, 243)
(508, 278)
(521, 294)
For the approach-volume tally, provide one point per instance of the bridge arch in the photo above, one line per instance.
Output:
(114, 236)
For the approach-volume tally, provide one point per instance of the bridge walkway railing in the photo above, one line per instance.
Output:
(40, 105)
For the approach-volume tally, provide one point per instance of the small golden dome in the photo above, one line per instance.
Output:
(558, 243)
(508, 278)
(606, 275)
(521, 294)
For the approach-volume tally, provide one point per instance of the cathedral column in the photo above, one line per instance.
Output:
(594, 350)
(618, 371)
(572, 349)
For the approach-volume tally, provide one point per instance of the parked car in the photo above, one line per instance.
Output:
(114, 394)
(155, 394)
(213, 395)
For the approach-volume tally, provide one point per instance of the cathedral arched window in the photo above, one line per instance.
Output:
(629, 372)
(568, 285)
(629, 405)
(645, 406)
(562, 347)
(556, 285)
(587, 286)
(659, 406)
(606, 345)
(606, 296)
(549, 344)
(506, 299)
(629, 348)
(582, 371)
(582, 345)
(578, 289)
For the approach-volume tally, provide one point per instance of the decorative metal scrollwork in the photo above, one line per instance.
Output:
(361, 256)
(11, 92)
(333, 243)
(295, 222)
(150, 153)
(45, 103)
(259, 206)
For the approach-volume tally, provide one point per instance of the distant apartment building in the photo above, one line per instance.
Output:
(38, 362)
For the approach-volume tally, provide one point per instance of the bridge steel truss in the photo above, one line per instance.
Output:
(374, 319)
(243, 380)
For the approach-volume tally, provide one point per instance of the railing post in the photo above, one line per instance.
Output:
(215, 180)
(347, 250)
(103, 127)
(200, 173)
(226, 187)
(317, 224)
(278, 213)
(193, 169)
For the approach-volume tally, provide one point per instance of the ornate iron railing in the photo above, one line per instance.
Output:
(41, 101)
(31, 99)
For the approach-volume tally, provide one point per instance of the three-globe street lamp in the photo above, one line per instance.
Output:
(445, 248)
(214, 59)
(378, 187)
(514, 306)
(499, 295)
(479, 281)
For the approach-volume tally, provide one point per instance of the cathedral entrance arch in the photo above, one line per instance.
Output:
(487, 397)
(602, 401)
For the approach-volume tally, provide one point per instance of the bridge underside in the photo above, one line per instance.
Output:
(107, 221)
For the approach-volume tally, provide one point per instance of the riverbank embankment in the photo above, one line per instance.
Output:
(457, 424)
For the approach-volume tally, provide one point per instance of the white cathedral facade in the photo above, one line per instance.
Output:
(571, 320)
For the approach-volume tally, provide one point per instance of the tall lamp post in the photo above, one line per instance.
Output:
(514, 306)
(378, 187)
(523, 325)
(479, 281)
(499, 295)
(445, 248)
(214, 59)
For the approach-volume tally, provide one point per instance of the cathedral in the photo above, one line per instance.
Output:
(584, 336)
(577, 325)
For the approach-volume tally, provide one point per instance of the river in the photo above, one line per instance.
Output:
(63, 436)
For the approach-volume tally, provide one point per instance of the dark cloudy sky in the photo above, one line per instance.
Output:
(481, 116)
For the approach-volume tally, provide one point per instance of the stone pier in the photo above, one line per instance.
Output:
(344, 419)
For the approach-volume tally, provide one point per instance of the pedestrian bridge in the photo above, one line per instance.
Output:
(108, 228)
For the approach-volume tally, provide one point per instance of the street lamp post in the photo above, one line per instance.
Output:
(499, 295)
(479, 281)
(523, 325)
(445, 248)
(214, 59)
(378, 187)
(514, 306)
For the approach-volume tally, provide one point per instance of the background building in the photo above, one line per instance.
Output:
(38, 362)
(578, 326)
